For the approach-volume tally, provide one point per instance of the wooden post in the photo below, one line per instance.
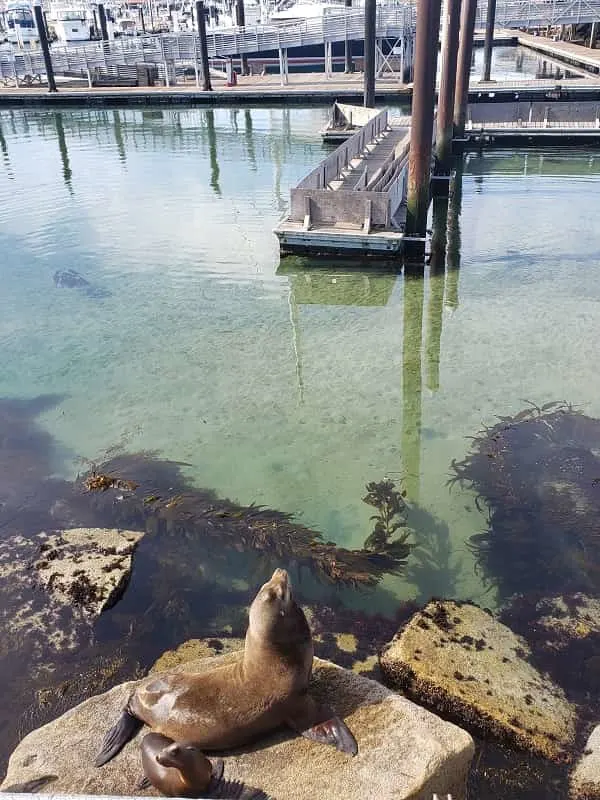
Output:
(421, 134)
(102, 18)
(465, 51)
(201, 22)
(445, 115)
(240, 16)
(488, 44)
(349, 65)
(370, 32)
(41, 29)
(142, 21)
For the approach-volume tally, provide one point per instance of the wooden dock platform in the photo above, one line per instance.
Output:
(354, 201)
(534, 122)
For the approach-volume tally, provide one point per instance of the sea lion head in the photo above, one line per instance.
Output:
(273, 603)
(187, 758)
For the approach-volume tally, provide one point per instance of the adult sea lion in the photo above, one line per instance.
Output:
(266, 687)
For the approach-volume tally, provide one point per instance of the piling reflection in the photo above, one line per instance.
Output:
(212, 152)
(118, 131)
(437, 280)
(453, 235)
(4, 150)
(412, 383)
(64, 153)
(249, 138)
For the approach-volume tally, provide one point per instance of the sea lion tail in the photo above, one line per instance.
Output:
(117, 737)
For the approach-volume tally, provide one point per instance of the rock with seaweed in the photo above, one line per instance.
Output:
(538, 475)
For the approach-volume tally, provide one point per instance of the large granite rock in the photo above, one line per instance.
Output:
(404, 751)
(459, 660)
(585, 779)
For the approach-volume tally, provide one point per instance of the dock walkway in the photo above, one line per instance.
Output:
(574, 54)
(353, 202)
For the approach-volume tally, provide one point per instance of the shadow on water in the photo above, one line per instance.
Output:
(118, 131)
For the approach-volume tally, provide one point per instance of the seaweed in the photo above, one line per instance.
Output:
(181, 509)
(391, 518)
(537, 475)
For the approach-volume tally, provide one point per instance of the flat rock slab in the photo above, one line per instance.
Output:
(87, 567)
(585, 779)
(459, 660)
(404, 750)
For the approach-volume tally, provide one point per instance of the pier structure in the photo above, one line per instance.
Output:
(353, 202)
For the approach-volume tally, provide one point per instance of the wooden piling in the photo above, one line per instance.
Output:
(240, 17)
(43, 36)
(445, 115)
(423, 99)
(349, 64)
(465, 52)
(370, 32)
(488, 44)
(201, 22)
(103, 26)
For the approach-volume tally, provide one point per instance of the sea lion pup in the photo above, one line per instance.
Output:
(178, 769)
(266, 687)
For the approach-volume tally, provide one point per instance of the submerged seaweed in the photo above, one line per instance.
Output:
(136, 499)
(391, 518)
(538, 474)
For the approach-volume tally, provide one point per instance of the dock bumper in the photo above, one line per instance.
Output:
(294, 240)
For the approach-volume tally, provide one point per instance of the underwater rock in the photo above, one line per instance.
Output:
(86, 567)
(465, 665)
(81, 572)
(564, 635)
(585, 779)
(194, 649)
(404, 751)
(538, 473)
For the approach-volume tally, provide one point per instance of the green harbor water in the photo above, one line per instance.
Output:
(286, 385)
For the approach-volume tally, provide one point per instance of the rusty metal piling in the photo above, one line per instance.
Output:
(465, 52)
(445, 115)
(419, 163)
(488, 44)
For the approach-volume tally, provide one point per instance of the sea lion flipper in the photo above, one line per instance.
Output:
(333, 731)
(218, 767)
(117, 737)
(31, 786)
(143, 783)
(320, 724)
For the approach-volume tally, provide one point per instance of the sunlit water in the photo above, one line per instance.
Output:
(282, 389)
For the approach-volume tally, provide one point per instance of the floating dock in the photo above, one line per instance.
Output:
(522, 123)
(353, 203)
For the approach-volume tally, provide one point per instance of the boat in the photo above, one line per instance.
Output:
(70, 22)
(19, 23)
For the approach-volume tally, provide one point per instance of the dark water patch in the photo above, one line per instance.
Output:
(538, 475)
(71, 279)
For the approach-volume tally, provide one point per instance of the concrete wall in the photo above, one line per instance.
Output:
(345, 207)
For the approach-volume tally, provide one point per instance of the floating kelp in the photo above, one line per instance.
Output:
(538, 473)
(191, 512)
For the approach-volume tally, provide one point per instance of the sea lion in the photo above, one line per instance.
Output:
(229, 706)
(178, 769)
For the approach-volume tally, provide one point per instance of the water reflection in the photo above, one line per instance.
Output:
(212, 152)
(453, 235)
(249, 138)
(437, 280)
(118, 130)
(64, 153)
(4, 149)
(412, 383)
